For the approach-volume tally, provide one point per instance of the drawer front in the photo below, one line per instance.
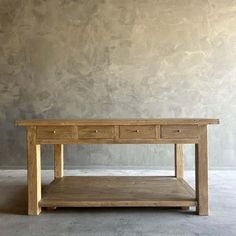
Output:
(85, 132)
(55, 132)
(179, 131)
(138, 132)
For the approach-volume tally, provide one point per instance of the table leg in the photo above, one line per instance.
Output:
(58, 160)
(202, 172)
(179, 160)
(34, 172)
(179, 164)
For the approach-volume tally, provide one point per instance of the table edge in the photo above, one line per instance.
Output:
(168, 121)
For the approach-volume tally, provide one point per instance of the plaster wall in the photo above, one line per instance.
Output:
(118, 59)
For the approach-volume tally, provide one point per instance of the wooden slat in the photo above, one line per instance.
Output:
(117, 122)
(179, 160)
(116, 141)
(33, 173)
(131, 203)
(58, 160)
(97, 191)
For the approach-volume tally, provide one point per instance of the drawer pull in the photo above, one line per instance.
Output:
(54, 131)
(178, 131)
(96, 131)
(137, 131)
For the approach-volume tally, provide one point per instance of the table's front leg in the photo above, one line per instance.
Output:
(34, 172)
(201, 176)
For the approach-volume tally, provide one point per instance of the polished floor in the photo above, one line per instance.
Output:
(117, 221)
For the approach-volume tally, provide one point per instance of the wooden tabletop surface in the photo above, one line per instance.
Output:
(144, 121)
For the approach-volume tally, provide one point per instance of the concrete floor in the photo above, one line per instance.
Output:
(117, 221)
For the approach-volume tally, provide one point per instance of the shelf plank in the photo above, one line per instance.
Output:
(118, 191)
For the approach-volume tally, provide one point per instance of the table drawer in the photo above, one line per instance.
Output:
(137, 131)
(85, 132)
(55, 132)
(177, 131)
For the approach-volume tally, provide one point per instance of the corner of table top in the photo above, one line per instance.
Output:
(214, 122)
(21, 123)
(17, 122)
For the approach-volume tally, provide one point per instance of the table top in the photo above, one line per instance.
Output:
(135, 121)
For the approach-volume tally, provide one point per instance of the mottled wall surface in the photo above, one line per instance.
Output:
(118, 59)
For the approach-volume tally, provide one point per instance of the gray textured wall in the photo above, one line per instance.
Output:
(118, 58)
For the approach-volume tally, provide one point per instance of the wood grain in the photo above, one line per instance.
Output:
(55, 132)
(137, 131)
(100, 191)
(115, 141)
(117, 122)
(97, 132)
(34, 172)
(179, 131)
(201, 172)
(179, 160)
(58, 160)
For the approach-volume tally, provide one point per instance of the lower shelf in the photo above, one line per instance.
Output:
(118, 191)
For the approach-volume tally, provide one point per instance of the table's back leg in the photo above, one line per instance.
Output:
(179, 160)
(34, 172)
(179, 164)
(58, 160)
(202, 172)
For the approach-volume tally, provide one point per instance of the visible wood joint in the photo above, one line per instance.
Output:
(158, 131)
(116, 132)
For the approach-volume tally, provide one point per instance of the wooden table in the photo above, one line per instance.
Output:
(117, 191)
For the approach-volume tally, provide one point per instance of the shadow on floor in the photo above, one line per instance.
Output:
(14, 199)
(119, 210)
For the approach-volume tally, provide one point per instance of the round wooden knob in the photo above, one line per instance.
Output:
(137, 130)
(54, 131)
(96, 131)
